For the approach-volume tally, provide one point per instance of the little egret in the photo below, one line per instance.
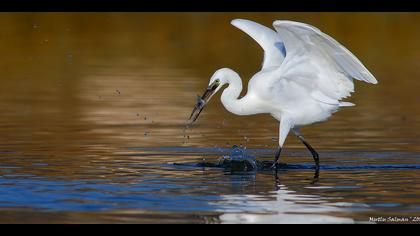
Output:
(304, 77)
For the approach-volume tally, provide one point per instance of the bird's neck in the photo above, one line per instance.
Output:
(230, 97)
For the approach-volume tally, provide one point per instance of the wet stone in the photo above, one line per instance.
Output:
(239, 160)
(240, 164)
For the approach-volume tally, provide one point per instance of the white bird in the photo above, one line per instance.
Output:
(304, 77)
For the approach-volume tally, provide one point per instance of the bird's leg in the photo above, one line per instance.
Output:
(277, 180)
(276, 158)
(285, 126)
(313, 152)
(309, 147)
(316, 176)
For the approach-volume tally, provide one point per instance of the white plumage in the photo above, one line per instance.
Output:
(305, 76)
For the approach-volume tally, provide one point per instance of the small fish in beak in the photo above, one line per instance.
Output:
(197, 109)
(202, 101)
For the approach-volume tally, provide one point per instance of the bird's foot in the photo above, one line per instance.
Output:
(275, 165)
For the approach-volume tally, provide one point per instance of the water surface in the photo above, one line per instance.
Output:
(94, 104)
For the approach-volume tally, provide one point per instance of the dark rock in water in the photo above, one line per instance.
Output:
(241, 164)
(239, 160)
(237, 164)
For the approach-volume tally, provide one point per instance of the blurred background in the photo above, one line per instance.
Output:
(102, 80)
(82, 88)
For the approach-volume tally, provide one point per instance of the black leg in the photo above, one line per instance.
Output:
(277, 180)
(276, 158)
(310, 148)
(313, 152)
(316, 176)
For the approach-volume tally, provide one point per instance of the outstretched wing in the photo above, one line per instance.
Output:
(314, 55)
(268, 39)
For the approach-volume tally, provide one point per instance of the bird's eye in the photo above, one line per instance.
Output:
(217, 81)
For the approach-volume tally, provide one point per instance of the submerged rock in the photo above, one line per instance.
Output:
(240, 160)
(238, 164)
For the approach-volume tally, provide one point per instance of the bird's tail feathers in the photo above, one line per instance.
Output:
(346, 104)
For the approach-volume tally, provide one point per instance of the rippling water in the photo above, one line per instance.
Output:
(93, 110)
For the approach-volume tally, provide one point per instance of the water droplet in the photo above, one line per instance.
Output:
(69, 57)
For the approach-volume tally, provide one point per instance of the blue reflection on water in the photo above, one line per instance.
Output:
(88, 196)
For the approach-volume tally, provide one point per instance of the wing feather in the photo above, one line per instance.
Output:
(268, 39)
(319, 63)
(294, 34)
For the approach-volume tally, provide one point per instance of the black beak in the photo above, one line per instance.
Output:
(202, 102)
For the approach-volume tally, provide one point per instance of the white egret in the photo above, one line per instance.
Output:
(304, 77)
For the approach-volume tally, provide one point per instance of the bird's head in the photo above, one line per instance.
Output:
(219, 78)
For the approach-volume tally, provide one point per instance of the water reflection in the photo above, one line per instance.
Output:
(94, 104)
(143, 184)
(152, 191)
(283, 206)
